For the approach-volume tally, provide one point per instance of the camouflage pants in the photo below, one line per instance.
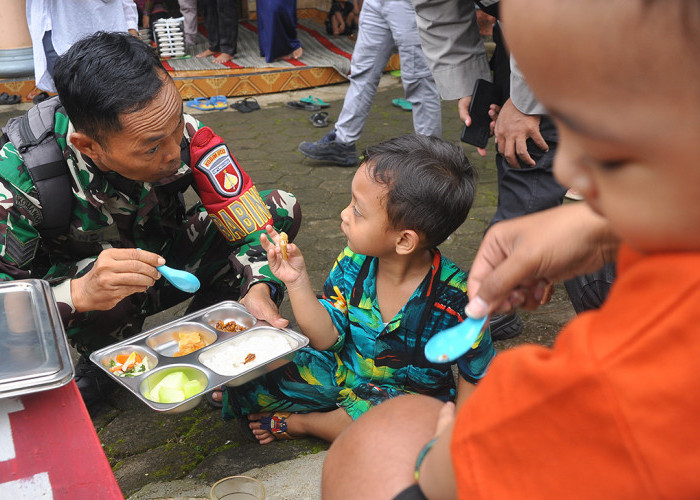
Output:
(222, 268)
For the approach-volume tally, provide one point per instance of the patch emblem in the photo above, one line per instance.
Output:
(222, 170)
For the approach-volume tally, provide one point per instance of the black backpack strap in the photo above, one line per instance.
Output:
(33, 136)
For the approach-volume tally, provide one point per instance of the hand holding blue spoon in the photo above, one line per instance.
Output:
(182, 280)
(448, 345)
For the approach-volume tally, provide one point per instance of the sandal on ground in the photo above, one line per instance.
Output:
(219, 102)
(41, 96)
(402, 103)
(200, 103)
(276, 424)
(319, 119)
(6, 98)
(246, 105)
(314, 100)
(306, 106)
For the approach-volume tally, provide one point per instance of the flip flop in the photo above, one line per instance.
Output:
(246, 105)
(402, 103)
(219, 102)
(200, 103)
(277, 425)
(6, 98)
(41, 96)
(319, 119)
(314, 100)
(306, 106)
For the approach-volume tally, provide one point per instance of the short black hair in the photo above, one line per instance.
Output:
(104, 75)
(431, 184)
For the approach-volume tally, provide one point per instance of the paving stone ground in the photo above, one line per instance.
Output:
(182, 455)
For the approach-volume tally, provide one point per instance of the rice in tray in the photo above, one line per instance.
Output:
(247, 351)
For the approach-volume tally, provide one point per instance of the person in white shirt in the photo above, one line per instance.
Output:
(56, 25)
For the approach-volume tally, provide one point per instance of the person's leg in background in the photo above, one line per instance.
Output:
(188, 8)
(277, 29)
(418, 83)
(227, 17)
(211, 23)
(372, 51)
(524, 190)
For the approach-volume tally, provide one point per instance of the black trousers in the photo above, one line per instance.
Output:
(221, 21)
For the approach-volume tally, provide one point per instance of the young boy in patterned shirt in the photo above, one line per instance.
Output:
(389, 291)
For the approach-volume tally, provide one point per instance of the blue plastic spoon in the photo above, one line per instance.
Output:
(182, 280)
(450, 344)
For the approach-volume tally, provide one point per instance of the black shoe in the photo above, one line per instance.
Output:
(94, 385)
(505, 326)
(329, 150)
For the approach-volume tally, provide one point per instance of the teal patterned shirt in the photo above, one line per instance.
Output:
(376, 361)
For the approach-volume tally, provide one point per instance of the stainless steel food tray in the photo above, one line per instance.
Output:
(159, 344)
(34, 354)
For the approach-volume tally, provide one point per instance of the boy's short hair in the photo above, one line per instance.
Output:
(103, 76)
(430, 182)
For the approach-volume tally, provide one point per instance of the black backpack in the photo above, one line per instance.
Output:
(33, 136)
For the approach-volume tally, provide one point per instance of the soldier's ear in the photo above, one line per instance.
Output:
(86, 145)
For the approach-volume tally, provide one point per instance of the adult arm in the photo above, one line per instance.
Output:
(519, 259)
(518, 121)
(131, 16)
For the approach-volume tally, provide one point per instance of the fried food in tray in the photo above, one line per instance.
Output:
(189, 342)
(229, 326)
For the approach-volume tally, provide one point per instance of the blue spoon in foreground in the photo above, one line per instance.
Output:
(182, 280)
(450, 344)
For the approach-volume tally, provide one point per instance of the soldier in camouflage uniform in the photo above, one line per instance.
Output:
(127, 150)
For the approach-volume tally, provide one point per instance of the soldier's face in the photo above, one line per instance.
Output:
(147, 148)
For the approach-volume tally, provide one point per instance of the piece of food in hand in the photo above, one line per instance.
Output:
(189, 342)
(284, 239)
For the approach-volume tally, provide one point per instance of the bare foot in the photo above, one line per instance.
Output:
(206, 53)
(297, 53)
(263, 436)
(222, 58)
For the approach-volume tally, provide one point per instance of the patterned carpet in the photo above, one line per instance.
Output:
(320, 51)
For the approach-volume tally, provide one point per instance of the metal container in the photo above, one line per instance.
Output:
(34, 354)
(159, 346)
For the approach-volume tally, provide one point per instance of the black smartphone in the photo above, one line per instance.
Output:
(477, 134)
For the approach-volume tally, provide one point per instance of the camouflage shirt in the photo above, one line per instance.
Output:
(108, 211)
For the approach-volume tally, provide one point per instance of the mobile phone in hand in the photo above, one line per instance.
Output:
(477, 134)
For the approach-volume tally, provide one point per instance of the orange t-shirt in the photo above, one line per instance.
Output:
(612, 411)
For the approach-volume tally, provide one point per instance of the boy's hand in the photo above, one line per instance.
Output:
(289, 270)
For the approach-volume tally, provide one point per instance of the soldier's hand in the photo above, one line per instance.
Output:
(261, 305)
(117, 273)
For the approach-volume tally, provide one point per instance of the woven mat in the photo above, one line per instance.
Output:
(320, 50)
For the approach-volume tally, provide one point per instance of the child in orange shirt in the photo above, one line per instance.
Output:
(611, 410)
